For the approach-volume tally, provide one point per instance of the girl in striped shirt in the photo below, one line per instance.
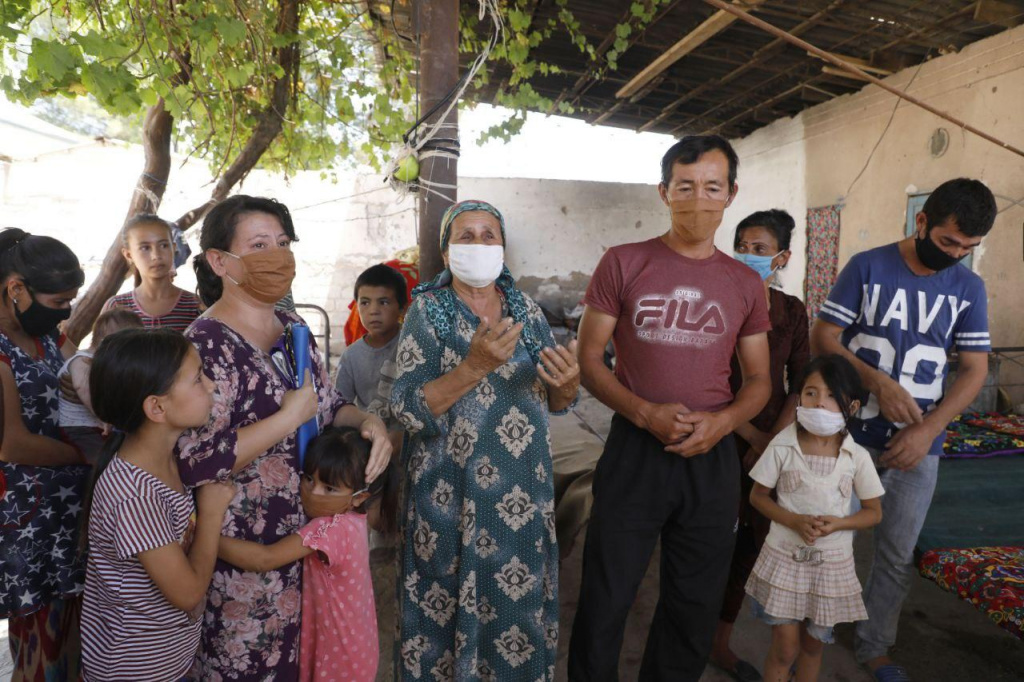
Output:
(147, 244)
(150, 560)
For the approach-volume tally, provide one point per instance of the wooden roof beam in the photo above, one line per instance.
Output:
(863, 64)
(774, 30)
(930, 28)
(849, 39)
(589, 76)
(736, 73)
(999, 13)
(711, 27)
(833, 71)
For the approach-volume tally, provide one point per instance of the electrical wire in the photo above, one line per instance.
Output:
(884, 131)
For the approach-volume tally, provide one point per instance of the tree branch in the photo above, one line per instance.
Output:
(271, 119)
(149, 190)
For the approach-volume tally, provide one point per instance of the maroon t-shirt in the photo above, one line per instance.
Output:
(679, 320)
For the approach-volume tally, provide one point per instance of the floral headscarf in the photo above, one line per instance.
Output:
(440, 309)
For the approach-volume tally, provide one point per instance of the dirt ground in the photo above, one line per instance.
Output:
(941, 637)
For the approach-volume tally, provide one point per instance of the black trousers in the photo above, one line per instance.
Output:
(642, 492)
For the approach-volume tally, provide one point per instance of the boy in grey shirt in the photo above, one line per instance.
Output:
(381, 297)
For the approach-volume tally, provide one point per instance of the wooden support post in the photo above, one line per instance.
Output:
(438, 26)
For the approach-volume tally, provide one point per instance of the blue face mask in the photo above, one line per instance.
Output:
(762, 265)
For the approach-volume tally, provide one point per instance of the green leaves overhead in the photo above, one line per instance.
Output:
(525, 31)
(215, 64)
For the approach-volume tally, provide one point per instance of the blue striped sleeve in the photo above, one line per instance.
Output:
(970, 333)
(844, 301)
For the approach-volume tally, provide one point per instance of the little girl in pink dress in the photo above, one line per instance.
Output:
(339, 619)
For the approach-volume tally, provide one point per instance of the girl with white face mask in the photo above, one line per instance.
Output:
(804, 580)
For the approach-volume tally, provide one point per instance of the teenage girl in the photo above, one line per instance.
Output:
(150, 557)
(339, 621)
(804, 580)
(147, 244)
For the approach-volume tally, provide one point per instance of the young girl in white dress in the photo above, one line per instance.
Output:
(804, 580)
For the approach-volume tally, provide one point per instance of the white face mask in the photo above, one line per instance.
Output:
(476, 265)
(819, 421)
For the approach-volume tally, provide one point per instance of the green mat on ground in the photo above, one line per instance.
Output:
(977, 503)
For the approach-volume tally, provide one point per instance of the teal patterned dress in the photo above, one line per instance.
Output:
(479, 580)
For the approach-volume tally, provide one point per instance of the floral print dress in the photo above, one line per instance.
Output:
(251, 623)
(479, 556)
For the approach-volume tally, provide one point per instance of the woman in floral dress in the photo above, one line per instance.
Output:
(251, 623)
(42, 573)
(478, 375)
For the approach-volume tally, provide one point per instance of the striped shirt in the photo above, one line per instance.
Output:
(129, 629)
(185, 310)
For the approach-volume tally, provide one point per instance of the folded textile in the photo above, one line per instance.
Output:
(990, 578)
(973, 435)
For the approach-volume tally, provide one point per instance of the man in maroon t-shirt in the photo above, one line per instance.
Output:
(676, 309)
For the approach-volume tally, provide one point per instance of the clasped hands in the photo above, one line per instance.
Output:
(684, 432)
(811, 527)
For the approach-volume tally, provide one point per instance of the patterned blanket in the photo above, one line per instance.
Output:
(979, 434)
(990, 578)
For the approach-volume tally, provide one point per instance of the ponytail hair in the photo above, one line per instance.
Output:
(339, 456)
(45, 264)
(129, 366)
(144, 219)
(219, 230)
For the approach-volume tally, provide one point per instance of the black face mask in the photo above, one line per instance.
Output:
(40, 320)
(931, 256)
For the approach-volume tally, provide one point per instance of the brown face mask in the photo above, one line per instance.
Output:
(268, 274)
(325, 505)
(696, 219)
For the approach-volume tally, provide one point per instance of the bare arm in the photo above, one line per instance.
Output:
(870, 515)
(911, 444)
(970, 377)
(21, 446)
(802, 524)
(489, 350)
(79, 370)
(183, 580)
(297, 407)
(259, 558)
(596, 329)
(372, 428)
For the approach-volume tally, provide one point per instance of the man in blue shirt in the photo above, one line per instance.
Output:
(896, 312)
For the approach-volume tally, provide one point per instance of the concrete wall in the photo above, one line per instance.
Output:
(557, 230)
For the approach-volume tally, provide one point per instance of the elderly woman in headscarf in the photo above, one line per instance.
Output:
(478, 375)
